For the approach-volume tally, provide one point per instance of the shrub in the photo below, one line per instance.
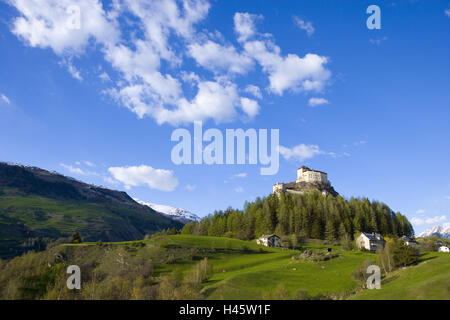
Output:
(360, 273)
(76, 238)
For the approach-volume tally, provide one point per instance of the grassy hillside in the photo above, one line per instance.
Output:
(250, 275)
(27, 219)
(430, 279)
(244, 270)
(37, 206)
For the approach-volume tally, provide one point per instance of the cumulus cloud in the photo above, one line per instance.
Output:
(89, 164)
(207, 55)
(254, 90)
(79, 171)
(189, 187)
(241, 175)
(300, 152)
(433, 220)
(314, 102)
(142, 175)
(378, 41)
(420, 211)
(47, 24)
(147, 52)
(73, 170)
(104, 77)
(250, 107)
(74, 72)
(4, 98)
(289, 72)
(304, 25)
(244, 25)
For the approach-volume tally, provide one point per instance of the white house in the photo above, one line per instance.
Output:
(370, 241)
(409, 242)
(444, 249)
(269, 240)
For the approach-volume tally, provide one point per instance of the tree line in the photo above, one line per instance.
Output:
(309, 215)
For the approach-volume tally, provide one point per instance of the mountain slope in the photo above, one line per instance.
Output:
(443, 232)
(37, 206)
(178, 214)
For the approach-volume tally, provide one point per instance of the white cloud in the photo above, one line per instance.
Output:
(189, 187)
(447, 12)
(420, 211)
(241, 175)
(46, 24)
(110, 180)
(239, 189)
(104, 76)
(218, 58)
(147, 52)
(289, 72)
(5, 98)
(417, 221)
(73, 170)
(89, 164)
(244, 25)
(250, 107)
(300, 152)
(304, 25)
(254, 90)
(74, 72)
(134, 176)
(448, 197)
(359, 143)
(434, 220)
(378, 41)
(313, 102)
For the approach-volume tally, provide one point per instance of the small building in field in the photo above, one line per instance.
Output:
(444, 249)
(269, 240)
(409, 241)
(370, 241)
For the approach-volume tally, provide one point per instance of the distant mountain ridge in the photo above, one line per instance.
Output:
(440, 231)
(175, 213)
(38, 206)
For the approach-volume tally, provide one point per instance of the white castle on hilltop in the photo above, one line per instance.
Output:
(305, 175)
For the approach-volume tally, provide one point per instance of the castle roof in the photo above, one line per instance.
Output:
(308, 169)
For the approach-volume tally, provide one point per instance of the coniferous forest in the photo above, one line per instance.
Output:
(309, 215)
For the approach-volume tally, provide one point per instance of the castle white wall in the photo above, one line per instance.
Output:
(311, 176)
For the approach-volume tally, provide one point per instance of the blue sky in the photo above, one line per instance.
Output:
(101, 101)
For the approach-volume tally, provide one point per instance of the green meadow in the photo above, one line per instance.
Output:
(245, 270)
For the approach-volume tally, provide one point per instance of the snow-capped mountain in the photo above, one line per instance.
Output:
(440, 231)
(178, 214)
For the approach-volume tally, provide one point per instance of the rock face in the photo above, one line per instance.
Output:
(307, 181)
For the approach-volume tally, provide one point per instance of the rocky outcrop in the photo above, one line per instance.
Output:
(304, 187)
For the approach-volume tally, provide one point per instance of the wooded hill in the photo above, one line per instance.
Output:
(309, 215)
